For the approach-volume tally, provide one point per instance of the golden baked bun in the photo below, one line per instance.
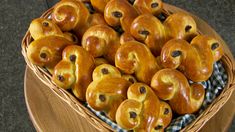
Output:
(129, 78)
(142, 111)
(181, 26)
(101, 40)
(135, 57)
(100, 61)
(99, 5)
(47, 51)
(74, 15)
(195, 60)
(149, 30)
(153, 7)
(119, 13)
(74, 70)
(41, 27)
(125, 37)
(173, 86)
(107, 94)
(164, 118)
(70, 14)
(104, 70)
(206, 44)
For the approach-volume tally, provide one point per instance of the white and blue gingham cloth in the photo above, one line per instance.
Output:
(213, 88)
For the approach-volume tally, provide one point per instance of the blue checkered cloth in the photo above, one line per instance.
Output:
(213, 88)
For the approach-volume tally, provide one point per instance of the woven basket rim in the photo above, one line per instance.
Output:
(213, 108)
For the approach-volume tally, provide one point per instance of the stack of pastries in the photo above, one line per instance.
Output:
(128, 58)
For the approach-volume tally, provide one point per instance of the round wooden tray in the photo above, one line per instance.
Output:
(49, 113)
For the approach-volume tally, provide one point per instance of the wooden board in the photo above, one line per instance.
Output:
(49, 113)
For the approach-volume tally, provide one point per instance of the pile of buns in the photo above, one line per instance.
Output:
(127, 58)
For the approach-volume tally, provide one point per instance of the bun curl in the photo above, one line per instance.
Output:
(74, 70)
(149, 30)
(153, 7)
(129, 78)
(195, 60)
(181, 26)
(101, 40)
(70, 14)
(131, 58)
(73, 15)
(104, 70)
(119, 13)
(207, 45)
(107, 94)
(41, 27)
(164, 118)
(47, 51)
(142, 110)
(172, 85)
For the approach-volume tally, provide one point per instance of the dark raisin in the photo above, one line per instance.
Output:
(118, 29)
(89, 7)
(104, 71)
(131, 80)
(214, 46)
(154, 5)
(45, 24)
(60, 78)
(131, 1)
(72, 58)
(176, 53)
(166, 111)
(102, 98)
(144, 32)
(142, 90)
(187, 28)
(74, 38)
(132, 114)
(161, 17)
(158, 127)
(117, 14)
(43, 55)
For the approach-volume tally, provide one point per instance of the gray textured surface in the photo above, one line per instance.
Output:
(16, 16)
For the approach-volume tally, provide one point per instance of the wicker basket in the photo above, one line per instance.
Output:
(227, 59)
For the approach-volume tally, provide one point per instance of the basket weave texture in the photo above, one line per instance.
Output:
(227, 59)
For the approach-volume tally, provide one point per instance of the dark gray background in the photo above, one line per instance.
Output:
(16, 16)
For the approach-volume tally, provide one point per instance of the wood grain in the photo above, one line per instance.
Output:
(48, 112)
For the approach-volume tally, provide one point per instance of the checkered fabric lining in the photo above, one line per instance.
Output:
(213, 88)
